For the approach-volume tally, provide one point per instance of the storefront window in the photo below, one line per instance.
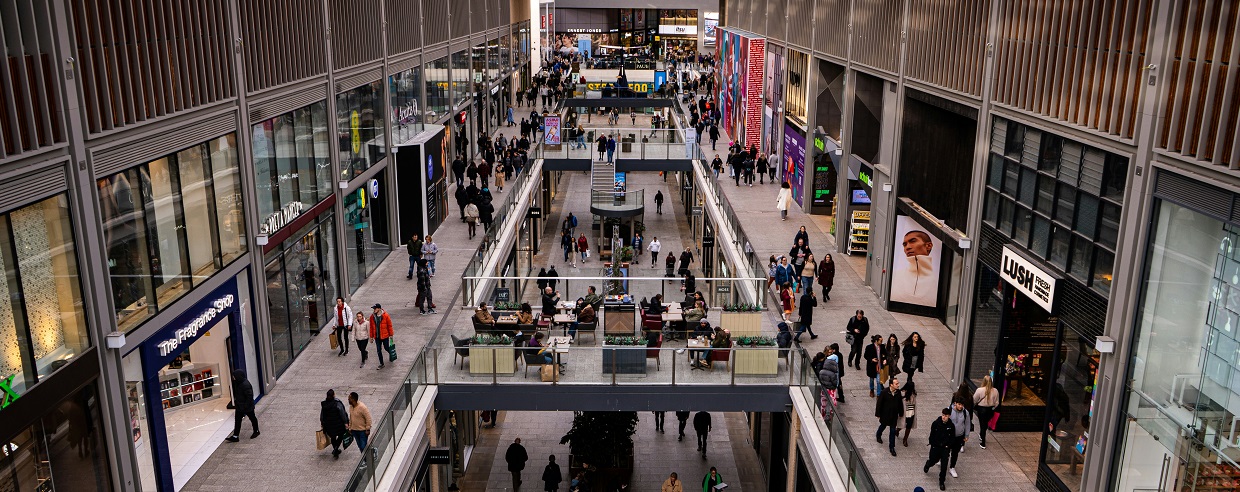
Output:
(43, 325)
(292, 164)
(1071, 408)
(797, 95)
(147, 211)
(438, 98)
(462, 79)
(65, 451)
(406, 92)
(359, 121)
(366, 243)
(301, 288)
(1184, 372)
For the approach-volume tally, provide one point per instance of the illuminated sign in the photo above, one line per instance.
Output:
(820, 144)
(864, 177)
(1034, 282)
(635, 86)
(682, 30)
(355, 122)
(10, 395)
(190, 330)
(584, 30)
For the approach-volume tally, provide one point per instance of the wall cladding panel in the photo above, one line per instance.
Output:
(1078, 62)
(831, 27)
(1200, 105)
(435, 31)
(799, 32)
(268, 28)
(876, 33)
(31, 111)
(458, 11)
(776, 12)
(947, 43)
(404, 26)
(143, 59)
(356, 32)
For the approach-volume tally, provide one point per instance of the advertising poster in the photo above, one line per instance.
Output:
(794, 161)
(552, 134)
(772, 113)
(752, 102)
(915, 264)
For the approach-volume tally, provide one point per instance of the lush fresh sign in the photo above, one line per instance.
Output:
(1029, 279)
(7, 394)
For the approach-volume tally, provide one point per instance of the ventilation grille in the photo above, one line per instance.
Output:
(27, 189)
(1194, 194)
(798, 10)
(356, 32)
(776, 10)
(357, 80)
(876, 33)
(30, 106)
(1201, 105)
(278, 105)
(1076, 63)
(280, 48)
(404, 27)
(160, 142)
(831, 27)
(436, 30)
(947, 43)
(458, 12)
(142, 59)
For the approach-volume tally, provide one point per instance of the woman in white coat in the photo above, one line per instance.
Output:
(784, 200)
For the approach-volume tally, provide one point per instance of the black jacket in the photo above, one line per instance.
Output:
(243, 393)
(424, 280)
(701, 422)
(859, 328)
(682, 416)
(806, 309)
(551, 476)
(873, 352)
(889, 407)
(803, 236)
(942, 433)
(909, 352)
(333, 417)
(516, 457)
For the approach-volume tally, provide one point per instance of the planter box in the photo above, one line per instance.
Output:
(625, 359)
(742, 324)
(503, 361)
(756, 361)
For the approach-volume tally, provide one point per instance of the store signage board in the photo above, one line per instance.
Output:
(191, 329)
(164, 345)
(282, 217)
(7, 394)
(1029, 279)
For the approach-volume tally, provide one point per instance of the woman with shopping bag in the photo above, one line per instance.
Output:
(334, 420)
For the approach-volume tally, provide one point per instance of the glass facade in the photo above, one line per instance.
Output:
(63, 451)
(1183, 398)
(147, 211)
(43, 324)
(438, 98)
(301, 288)
(366, 242)
(462, 79)
(292, 163)
(359, 122)
(405, 89)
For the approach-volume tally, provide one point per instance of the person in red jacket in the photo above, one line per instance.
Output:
(381, 331)
(583, 246)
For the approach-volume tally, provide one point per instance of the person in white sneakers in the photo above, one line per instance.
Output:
(962, 419)
(654, 247)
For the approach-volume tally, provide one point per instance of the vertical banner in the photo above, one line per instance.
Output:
(552, 134)
(794, 161)
(914, 264)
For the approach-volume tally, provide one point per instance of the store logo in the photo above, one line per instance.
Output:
(864, 177)
(190, 330)
(355, 123)
(6, 390)
(430, 168)
(281, 217)
(1031, 280)
(374, 188)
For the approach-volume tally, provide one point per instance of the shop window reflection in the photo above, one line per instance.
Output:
(65, 450)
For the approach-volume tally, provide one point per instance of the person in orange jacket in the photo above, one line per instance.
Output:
(381, 331)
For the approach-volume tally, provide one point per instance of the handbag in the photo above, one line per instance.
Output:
(391, 348)
(320, 440)
(549, 373)
(334, 342)
(910, 410)
(347, 441)
(994, 420)
(849, 338)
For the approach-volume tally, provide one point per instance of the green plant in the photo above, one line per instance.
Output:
(603, 439)
(625, 341)
(626, 253)
(484, 339)
(744, 340)
(764, 341)
(742, 308)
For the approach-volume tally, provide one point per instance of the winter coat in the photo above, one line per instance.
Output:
(784, 200)
(429, 251)
(808, 303)
(333, 417)
(829, 375)
(243, 392)
(889, 408)
(873, 352)
(486, 212)
(551, 476)
(361, 330)
(826, 274)
(701, 422)
(424, 280)
(910, 352)
(859, 328)
(516, 457)
(803, 236)
(381, 327)
(942, 433)
(893, 357)
(784, 274)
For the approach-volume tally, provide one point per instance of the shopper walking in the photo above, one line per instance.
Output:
(686, 258)
(361, 335)
(430, 251)
(672, 484)
(858, 327)
(551, 475)
(683, 418)
(553, 277)
(583, 247)
(658, 202)
(875, 362)
(516, 458)
(835, 354)
(425, 301)
(670, 263)
(414, 248)
(799, 254)
(334, 421)
(801, 235)
(826, 276)
(942, 434)
(638, 242)
(659, 418)
(806, 311)
(889, 408)
(829, 379)
(701, 424)
(761, 165)
(471, 218)
(784, 200)
(892, 350)
(985, 399)
(711, 479)
(961, 419)
(807, 273)
(243, 405)
(381, 331)
(772, 165)
(654, 248)
(611, 149)
(910, 409)
(343, 322)
(359, 422)
(914, 353)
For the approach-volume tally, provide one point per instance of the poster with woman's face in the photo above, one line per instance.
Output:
(915, 264)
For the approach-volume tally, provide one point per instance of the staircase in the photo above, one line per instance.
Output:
(602, 176)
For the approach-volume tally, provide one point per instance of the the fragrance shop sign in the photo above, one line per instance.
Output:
(170, 341)
(1029, 279)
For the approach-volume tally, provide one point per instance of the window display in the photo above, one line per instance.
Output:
(148, 209)
(359, 124)
(65, 451)
(292, 163)
(462, 80)
(365, 215)
(405, 89)
(438, 97)
(301, 288)
(42, 325)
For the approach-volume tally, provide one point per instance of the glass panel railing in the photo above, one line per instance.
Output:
(718, 292)
(631, 143)
(845, 455)
(617, 200)
(387, 432)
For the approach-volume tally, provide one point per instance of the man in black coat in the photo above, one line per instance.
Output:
(858, 327)
(683, 417)
(942, 433)
(551, 475)
(462, 199)
(516, 459)
(458, 170)
(701, 424)
(889, 408)
(243, 405)
(806, 310)
(335, 421)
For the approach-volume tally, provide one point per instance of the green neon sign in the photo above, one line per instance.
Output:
(6, 388)
(820, 144)
(864, 177)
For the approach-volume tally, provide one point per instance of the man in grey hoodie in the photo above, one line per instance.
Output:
(962, 420)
